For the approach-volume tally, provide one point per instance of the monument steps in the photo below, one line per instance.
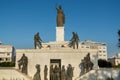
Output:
(91, 75)
(11, 73)
(29, 78)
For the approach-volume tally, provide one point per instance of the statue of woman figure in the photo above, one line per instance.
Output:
(56, 73)
(51, 73)
(70, 72)
(37, 74)
(63, 73)
(60, 16)
(45, 72)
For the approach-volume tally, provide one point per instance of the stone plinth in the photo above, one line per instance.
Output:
(59, 33)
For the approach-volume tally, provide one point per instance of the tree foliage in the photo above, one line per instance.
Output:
(7, 64)
(119, 38)
(104, 64)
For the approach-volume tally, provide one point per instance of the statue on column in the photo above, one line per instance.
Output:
(60, 16)
(74, 41)
(37, 41)
(37, 74)
(70, 72)
(45, 72)
(23, 62)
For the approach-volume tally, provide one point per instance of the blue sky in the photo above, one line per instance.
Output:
(97, 20)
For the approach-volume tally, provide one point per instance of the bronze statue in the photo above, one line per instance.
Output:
(23, 62)
(86, 64)
(56, 73)
(70, 72)
(74, 41)
(63, 73)
(37, 74)
(37, 41)
(51, 73)
(45, 72)
(82, 67)
(60, 16)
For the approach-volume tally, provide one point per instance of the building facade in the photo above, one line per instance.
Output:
(115, 60)
(7, 53)
(100, 47)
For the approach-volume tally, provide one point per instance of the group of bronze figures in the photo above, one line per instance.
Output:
(74, 42)
(61, 74)
(56, 72)
(86, 64)
(37, 74)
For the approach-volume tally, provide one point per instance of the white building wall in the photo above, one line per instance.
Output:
(102, 52)
(101, 47)
(6, 53)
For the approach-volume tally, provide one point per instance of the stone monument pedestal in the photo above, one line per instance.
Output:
(55, 56)
(59, 33)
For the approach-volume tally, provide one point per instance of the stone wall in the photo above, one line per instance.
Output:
(43, 56)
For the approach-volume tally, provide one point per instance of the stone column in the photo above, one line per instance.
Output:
(59, 34)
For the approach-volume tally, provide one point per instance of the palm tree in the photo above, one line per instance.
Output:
(119, 38)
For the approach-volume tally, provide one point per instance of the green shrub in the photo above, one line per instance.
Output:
(116, 66)
(110, 78)
(7, 64)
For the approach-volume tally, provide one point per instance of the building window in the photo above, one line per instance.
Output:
(6, 59)
(100, 51)
(104, 51)
(0, 59)
(99, 47)
(104, 47)
(104, 55)
(8, 54)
